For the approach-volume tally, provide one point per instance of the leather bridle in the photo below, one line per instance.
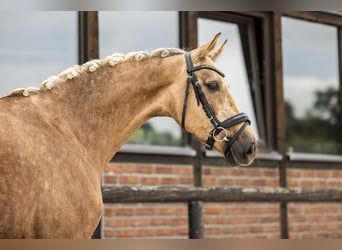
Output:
(201, 99)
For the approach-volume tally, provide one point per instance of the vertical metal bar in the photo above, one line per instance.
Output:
(188, 29)
(339, 121)
(196, 228)
(82, 36)
(280, 117)
(88, 48)
(268, 72)
(195, 208)
(197, 163)
(188, 39)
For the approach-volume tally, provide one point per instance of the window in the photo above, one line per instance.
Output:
(123, 32)
(232, 63)
(35, 45)
(311, 87)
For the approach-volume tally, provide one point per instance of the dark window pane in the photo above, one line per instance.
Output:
(311, 86)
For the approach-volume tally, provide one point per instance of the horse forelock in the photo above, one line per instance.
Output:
(92, 66)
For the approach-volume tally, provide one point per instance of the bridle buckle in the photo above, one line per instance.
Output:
(215, 133)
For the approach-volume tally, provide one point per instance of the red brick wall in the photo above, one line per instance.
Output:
(246, 219)
(221, 220)
(145, 220)
(315, 220)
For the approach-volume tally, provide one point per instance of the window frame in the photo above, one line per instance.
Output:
(333, 19)
(265, 30)
(248, 41)
(258, 65)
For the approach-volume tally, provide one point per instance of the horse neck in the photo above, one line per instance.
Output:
(105, 107)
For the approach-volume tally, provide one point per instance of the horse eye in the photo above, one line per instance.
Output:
(213, 85)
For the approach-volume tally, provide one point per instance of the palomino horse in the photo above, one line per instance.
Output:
(55, 140)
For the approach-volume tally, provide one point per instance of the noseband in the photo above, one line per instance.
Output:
(201, 99)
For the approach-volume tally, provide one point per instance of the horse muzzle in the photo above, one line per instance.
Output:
(241, 153)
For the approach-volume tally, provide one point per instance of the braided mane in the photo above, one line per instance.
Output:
(92, 66)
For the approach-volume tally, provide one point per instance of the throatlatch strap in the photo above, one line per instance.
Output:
(206, 107)
(185, 103)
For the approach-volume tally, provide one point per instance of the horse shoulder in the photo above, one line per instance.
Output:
(61, 185)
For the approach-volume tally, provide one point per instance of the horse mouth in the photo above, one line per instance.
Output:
(241, 153)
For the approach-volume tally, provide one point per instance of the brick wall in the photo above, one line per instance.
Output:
(315, 220)
(156, 220)
(250, 220)
(146, 220)
(246, 219)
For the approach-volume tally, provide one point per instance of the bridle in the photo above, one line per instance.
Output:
(201, 99)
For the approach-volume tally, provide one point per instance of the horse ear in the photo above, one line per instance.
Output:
(204, 50)
(217, 52)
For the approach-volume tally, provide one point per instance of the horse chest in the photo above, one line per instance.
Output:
(58, 201)
(74, 211)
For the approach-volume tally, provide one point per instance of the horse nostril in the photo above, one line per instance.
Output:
(250, 151)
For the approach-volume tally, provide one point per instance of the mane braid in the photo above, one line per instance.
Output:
(91, 67)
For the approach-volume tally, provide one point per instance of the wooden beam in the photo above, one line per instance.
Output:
(330, 18)
(129, 194)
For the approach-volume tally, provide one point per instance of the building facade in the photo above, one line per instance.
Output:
(284, 69)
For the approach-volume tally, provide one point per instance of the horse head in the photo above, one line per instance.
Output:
(209, 110)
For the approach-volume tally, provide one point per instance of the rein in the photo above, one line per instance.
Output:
(201, 99)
